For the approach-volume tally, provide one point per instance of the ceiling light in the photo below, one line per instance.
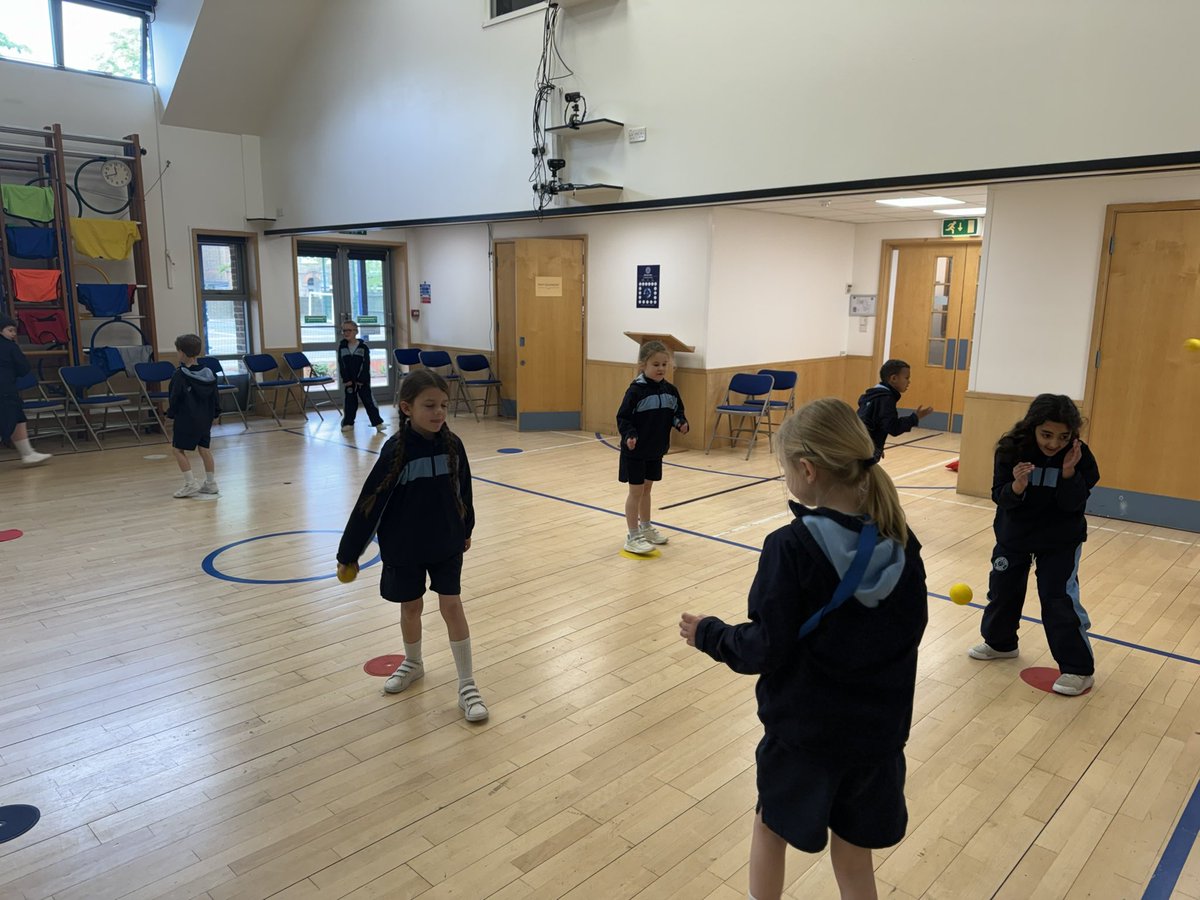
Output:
(966, 211)
(920, 201)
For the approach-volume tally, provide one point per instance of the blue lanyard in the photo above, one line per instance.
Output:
(850, 581)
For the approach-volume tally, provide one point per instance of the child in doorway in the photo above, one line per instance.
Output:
(194, 404)
(1040, 484)
(354, 367)
(877, 405)
(13, 365)
(836, 612)
(417, 500)
(650, 408)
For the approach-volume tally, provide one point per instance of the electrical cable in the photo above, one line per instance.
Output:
(545, 182)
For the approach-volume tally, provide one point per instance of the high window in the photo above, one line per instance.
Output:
(104, 37)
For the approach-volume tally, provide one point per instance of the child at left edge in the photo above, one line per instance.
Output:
(651, 407)
(193, 402)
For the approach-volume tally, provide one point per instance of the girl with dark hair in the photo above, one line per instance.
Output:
(1041, 482)
(417, 500)
(13, 365)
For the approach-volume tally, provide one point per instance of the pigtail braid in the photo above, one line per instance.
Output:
(393, 473)
(452, 464)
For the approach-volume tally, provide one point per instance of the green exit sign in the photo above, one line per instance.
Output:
(368, 320)
(960, 227)
(315, 320)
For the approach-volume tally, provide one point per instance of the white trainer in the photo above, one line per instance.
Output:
(471, 703)
(983, 651)
(1073, 685)
(652, 534)
(35, 458)
(635, 543)
(404, 677)
(381, 427)
(191, 489)
(209, 487)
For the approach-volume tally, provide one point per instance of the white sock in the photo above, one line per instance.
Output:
(210, 477)
(24, 447)
(412, 653)
(188, 477)
(462, 660)
(642, 525)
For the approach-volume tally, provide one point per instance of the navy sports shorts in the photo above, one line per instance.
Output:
(406, 581)
(801, 799)
(632, 470)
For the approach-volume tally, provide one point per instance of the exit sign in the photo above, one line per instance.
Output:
(960, 227)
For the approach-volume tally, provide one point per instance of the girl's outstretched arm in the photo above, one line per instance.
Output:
(362, 524)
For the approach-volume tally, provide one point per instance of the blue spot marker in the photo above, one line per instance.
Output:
(510, 450)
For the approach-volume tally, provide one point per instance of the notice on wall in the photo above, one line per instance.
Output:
(547, 286)
(426, 292)
(862, 304)
(647, 287)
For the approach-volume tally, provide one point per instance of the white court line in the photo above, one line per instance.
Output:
(922, 469)
(498, 456)
(756, 522)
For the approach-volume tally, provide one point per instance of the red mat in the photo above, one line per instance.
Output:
(383, 665)
(952, 465)
(10, 535)
(1043, 679)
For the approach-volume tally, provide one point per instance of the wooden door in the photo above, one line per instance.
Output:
(933, 313)
(506, 325)
(1145, 425)
(549, 292)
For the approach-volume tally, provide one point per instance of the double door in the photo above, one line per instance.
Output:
(337, 283)
(932, 325)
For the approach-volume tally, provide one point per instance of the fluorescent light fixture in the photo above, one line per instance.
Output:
(920, 201)
(968, 211)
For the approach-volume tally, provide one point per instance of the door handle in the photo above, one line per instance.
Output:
(521, 342)
(949, 361)
(963, 348)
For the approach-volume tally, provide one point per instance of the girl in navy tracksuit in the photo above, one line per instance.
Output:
(417, 500)
(354, 367)
(836, 683)
(13, 365)
(1041, 481)
(651, 407)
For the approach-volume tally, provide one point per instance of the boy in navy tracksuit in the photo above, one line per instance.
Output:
(877, 405)
(193, 403)
(1041, 481)
(650, 409)
(354, 367)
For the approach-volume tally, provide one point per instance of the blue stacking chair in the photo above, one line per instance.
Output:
(78, 380)
(40, 405)
(753, 406)
(264, 364)
(404, 357)
(472, 363)
(440, 359)
(785, 384)
(298, 362)
(149, 373)
(224, 385)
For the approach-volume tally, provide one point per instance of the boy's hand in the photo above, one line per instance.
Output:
(683, 429)
(1021, 476)
(1071, 460)
(631, 442)
(923, 411)
(687, 627)
(467, 545)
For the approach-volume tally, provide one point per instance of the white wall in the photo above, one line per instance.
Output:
(412, 109)
(454, 260)
(1038, 291)
(778, 288)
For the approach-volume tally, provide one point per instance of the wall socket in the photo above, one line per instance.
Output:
(637, 135)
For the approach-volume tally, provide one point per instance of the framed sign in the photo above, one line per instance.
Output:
(647, 287)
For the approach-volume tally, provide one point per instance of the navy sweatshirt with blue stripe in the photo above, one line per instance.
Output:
(417, 519)
(845, 690)
(1050, 513)
(648, 412)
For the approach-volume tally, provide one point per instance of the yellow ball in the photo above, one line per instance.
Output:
(961, 594)
(347, 574)
(1192, 344)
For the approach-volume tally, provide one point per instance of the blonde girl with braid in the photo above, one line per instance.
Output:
(417, 502)
(836, 613)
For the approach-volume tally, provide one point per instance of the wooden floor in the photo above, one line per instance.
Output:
(189, 736)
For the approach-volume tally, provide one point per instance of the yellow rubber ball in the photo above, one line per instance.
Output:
(1192, 344)
(961, 594)
(347, 574)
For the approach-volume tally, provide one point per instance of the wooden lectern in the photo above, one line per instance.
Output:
(672, 342)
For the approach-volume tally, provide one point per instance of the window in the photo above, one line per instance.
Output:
(940, 311)
(504, 7)
(107, 37)
(224, 299)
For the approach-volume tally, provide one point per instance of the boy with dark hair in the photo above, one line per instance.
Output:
(354, 367)
(877, 405)
(193, 403)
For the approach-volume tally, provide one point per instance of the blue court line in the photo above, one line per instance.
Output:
(209, 564)
(1170, 866)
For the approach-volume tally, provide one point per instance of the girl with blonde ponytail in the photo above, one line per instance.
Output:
(837, 611)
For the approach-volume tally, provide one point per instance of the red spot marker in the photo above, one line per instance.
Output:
(383, 666)
(1042, 678)
(10, 535)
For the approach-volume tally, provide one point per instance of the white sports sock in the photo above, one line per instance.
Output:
(412, 652)
(24, 447)
(210, 477)
(462, 660)
(188, 478)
